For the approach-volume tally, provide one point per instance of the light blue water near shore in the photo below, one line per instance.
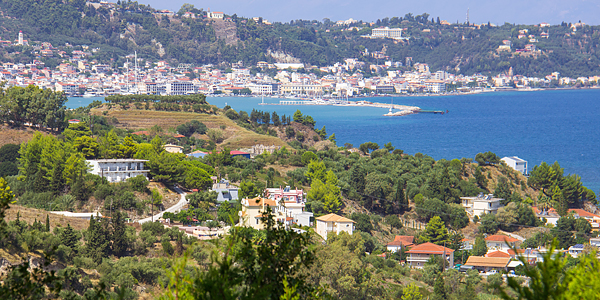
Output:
(549, 126)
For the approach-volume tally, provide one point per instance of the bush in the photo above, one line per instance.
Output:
(363, 222)
(393, 221)
(139, 183)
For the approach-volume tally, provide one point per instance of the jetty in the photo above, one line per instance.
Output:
(402, 110)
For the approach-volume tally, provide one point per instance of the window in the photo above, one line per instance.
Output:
(256, 221)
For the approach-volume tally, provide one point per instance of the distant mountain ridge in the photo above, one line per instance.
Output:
(119, 29)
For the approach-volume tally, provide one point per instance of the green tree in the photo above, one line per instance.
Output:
(119, 236)
(435, 232)
(411, 292)
(69, 238)
(487, 224)
(479, 247)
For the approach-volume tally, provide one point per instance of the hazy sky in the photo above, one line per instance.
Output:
(498, 12)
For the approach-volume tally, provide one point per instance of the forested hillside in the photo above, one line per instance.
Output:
(458, 48)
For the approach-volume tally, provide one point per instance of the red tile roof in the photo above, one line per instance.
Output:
(430, 248)
(582, 213)
(402, 240)
(500, 238)
(141, 133)
(497, 254)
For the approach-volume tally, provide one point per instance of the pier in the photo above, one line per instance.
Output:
(401, 110)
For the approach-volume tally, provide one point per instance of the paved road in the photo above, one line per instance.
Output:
(175, 208)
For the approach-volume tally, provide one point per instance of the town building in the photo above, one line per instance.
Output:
(333, 223)
(419, 255)
(481, 204)
(516, 163)
(118, 170)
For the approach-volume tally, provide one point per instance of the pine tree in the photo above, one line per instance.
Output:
(98, 240)
(119, 237)
(436, 232)
(68, 237)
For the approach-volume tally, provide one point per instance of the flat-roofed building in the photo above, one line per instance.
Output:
(516, 163)
(117, 170)
(481, 204)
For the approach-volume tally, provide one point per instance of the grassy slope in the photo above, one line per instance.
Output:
(235, 136)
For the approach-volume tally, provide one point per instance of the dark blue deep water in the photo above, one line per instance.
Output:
(549, 126)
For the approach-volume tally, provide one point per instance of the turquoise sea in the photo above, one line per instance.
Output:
(562, 125)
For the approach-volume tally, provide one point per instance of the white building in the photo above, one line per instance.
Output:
(383, 32)
(180, 88)
(516, 163)
(481, 204)
(117, 170)
(435, 86)
(333, 223)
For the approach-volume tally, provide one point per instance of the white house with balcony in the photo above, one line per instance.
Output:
(481, 204)
(333, 223)
(118, 170)
(516, 163)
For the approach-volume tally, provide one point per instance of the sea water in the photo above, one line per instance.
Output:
(561, 125)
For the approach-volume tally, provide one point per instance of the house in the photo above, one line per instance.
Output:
(333, 223)
(118, 170)
(500, 242)
(595, 242)
(173, 148)
(287, 194)
(225, 191)
(481, 204)
(420, 254)
(304, 218)
(399, 242)
(254, 209)
(550, 215)
(488, 263)
(516, 163)
(576, 250)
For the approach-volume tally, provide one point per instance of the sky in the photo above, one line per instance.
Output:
(482, 11)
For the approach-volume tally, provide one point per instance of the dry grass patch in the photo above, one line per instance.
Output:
(29, 215)
(17, 136)
(234, 135)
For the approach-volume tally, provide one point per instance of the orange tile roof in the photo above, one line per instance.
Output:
(258, 201)
(497, 254)
(583, 213)
(402, 240)
(500, 238)
(333, 218)
(430, 248)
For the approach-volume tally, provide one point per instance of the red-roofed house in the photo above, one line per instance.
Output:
(239, 153)
(399, 242)
(500, 242)
(141, 133)
(420, 254)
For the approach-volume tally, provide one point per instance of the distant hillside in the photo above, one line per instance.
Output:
(571, 49)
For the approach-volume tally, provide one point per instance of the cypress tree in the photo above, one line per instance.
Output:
(47, 223)
(119, 246)
(98, 240)
(68, 237)
(179, 244)
(400, 197)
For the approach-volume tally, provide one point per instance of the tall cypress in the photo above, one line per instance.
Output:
(119, 237)
(68, 237)
(47, 223)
